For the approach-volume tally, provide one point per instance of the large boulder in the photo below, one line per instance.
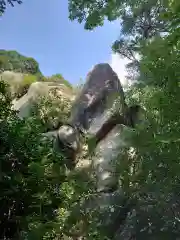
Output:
(14, 80)
(102, 95)
(39, 90)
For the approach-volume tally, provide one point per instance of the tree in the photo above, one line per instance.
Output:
(156, 182)
(4, 63)
(140, 21)
(52, 111)
(152, 175)
(37, 192)
(29, 176)
(31, 66)
(59, 79)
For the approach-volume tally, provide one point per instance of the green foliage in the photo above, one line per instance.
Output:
(28, 79)
(155, 183)
(140, 21)
(31, 176)
(59, 79)
(52, 111)
(31, 66)
(94, 12)
(4, 63)
(37, 192)
(150, 174)
(57, 76)
(13, 61)
(25, 84)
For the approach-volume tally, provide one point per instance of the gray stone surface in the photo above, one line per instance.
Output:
(13, 79)
(35, 92)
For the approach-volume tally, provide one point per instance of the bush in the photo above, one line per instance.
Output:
(36, 191)
(31, 177)
(59, 79)
(52, 111)
(31, 66)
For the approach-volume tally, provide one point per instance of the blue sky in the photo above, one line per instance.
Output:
(41, 29)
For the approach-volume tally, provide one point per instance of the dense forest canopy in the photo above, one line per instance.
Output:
(36, 192)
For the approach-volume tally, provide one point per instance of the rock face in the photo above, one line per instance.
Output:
(13, 79)
(98, 99)
(101, 114)
(35, 92)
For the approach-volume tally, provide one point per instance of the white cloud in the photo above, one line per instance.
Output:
(118, 65)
